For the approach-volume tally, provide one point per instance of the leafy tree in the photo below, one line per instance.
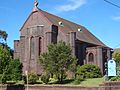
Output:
(5, 57)
(9, 69)
(58, 60)
(116, 56)
(15, 70)
(3, 35)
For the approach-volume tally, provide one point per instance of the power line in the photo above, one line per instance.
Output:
(112, 3)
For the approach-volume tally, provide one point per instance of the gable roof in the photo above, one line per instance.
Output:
(68, 26)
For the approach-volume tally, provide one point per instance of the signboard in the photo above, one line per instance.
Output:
(111, 68)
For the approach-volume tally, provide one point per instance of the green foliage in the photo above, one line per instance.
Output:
(3, 35)
(116, 78)
(118, 71)
(88, 71)
(32, 78)
(45, 78)
(9, 69)
(12, 72)
(15, 70)
(116, 56)
(5, 57)
(58, 60)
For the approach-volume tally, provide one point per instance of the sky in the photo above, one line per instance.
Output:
(99, 17)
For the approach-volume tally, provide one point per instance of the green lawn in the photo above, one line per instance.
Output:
(92, 82)
(87, 82)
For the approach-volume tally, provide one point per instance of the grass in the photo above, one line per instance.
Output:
(87, 82)
(92, 82)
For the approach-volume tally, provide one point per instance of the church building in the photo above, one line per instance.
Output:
(42, 28)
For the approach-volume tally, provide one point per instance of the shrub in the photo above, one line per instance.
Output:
(45, 78)
(32, 78)
(79, 78)
(116, 56)
(0, 77)
(117, 78)
(88, 71)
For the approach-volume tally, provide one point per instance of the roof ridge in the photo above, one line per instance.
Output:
(74, 26)
(61, 18)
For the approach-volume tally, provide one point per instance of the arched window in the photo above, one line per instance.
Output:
(39, 45)
(91, 57)
(32, 47)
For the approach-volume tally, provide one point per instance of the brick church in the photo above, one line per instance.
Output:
(42, 28)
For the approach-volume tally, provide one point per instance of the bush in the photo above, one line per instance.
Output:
(45, 78)
(88, 71)
(117, 78)
(116, 56)
(78, 80)
(32, 78)
(0, 77)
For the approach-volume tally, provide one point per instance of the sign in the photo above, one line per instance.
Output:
(111, 68)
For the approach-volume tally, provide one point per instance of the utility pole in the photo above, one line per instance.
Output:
(26, 72)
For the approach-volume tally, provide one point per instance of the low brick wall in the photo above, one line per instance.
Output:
(106, 86)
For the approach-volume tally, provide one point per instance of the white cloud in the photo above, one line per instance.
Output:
(71, 6)
(117, 18)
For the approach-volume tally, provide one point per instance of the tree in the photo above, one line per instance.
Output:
(3, 35)
(58, 60)
(15, 70)
(5, 57)
(116, 57)
(9, 69)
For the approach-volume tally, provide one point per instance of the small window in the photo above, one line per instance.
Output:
(32, 47)
(40, 45)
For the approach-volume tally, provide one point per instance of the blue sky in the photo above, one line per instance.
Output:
(99, 17)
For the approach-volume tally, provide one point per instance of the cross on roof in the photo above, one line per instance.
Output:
(35, 3)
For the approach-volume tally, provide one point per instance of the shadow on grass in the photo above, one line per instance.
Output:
(66, 81)
(15, 87)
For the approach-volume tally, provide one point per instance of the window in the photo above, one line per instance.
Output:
(91, 57)
(39, 45)
(32, 47)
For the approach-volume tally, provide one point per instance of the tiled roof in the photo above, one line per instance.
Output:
(83, 35)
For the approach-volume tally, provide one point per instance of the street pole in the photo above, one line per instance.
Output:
(26, 72)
